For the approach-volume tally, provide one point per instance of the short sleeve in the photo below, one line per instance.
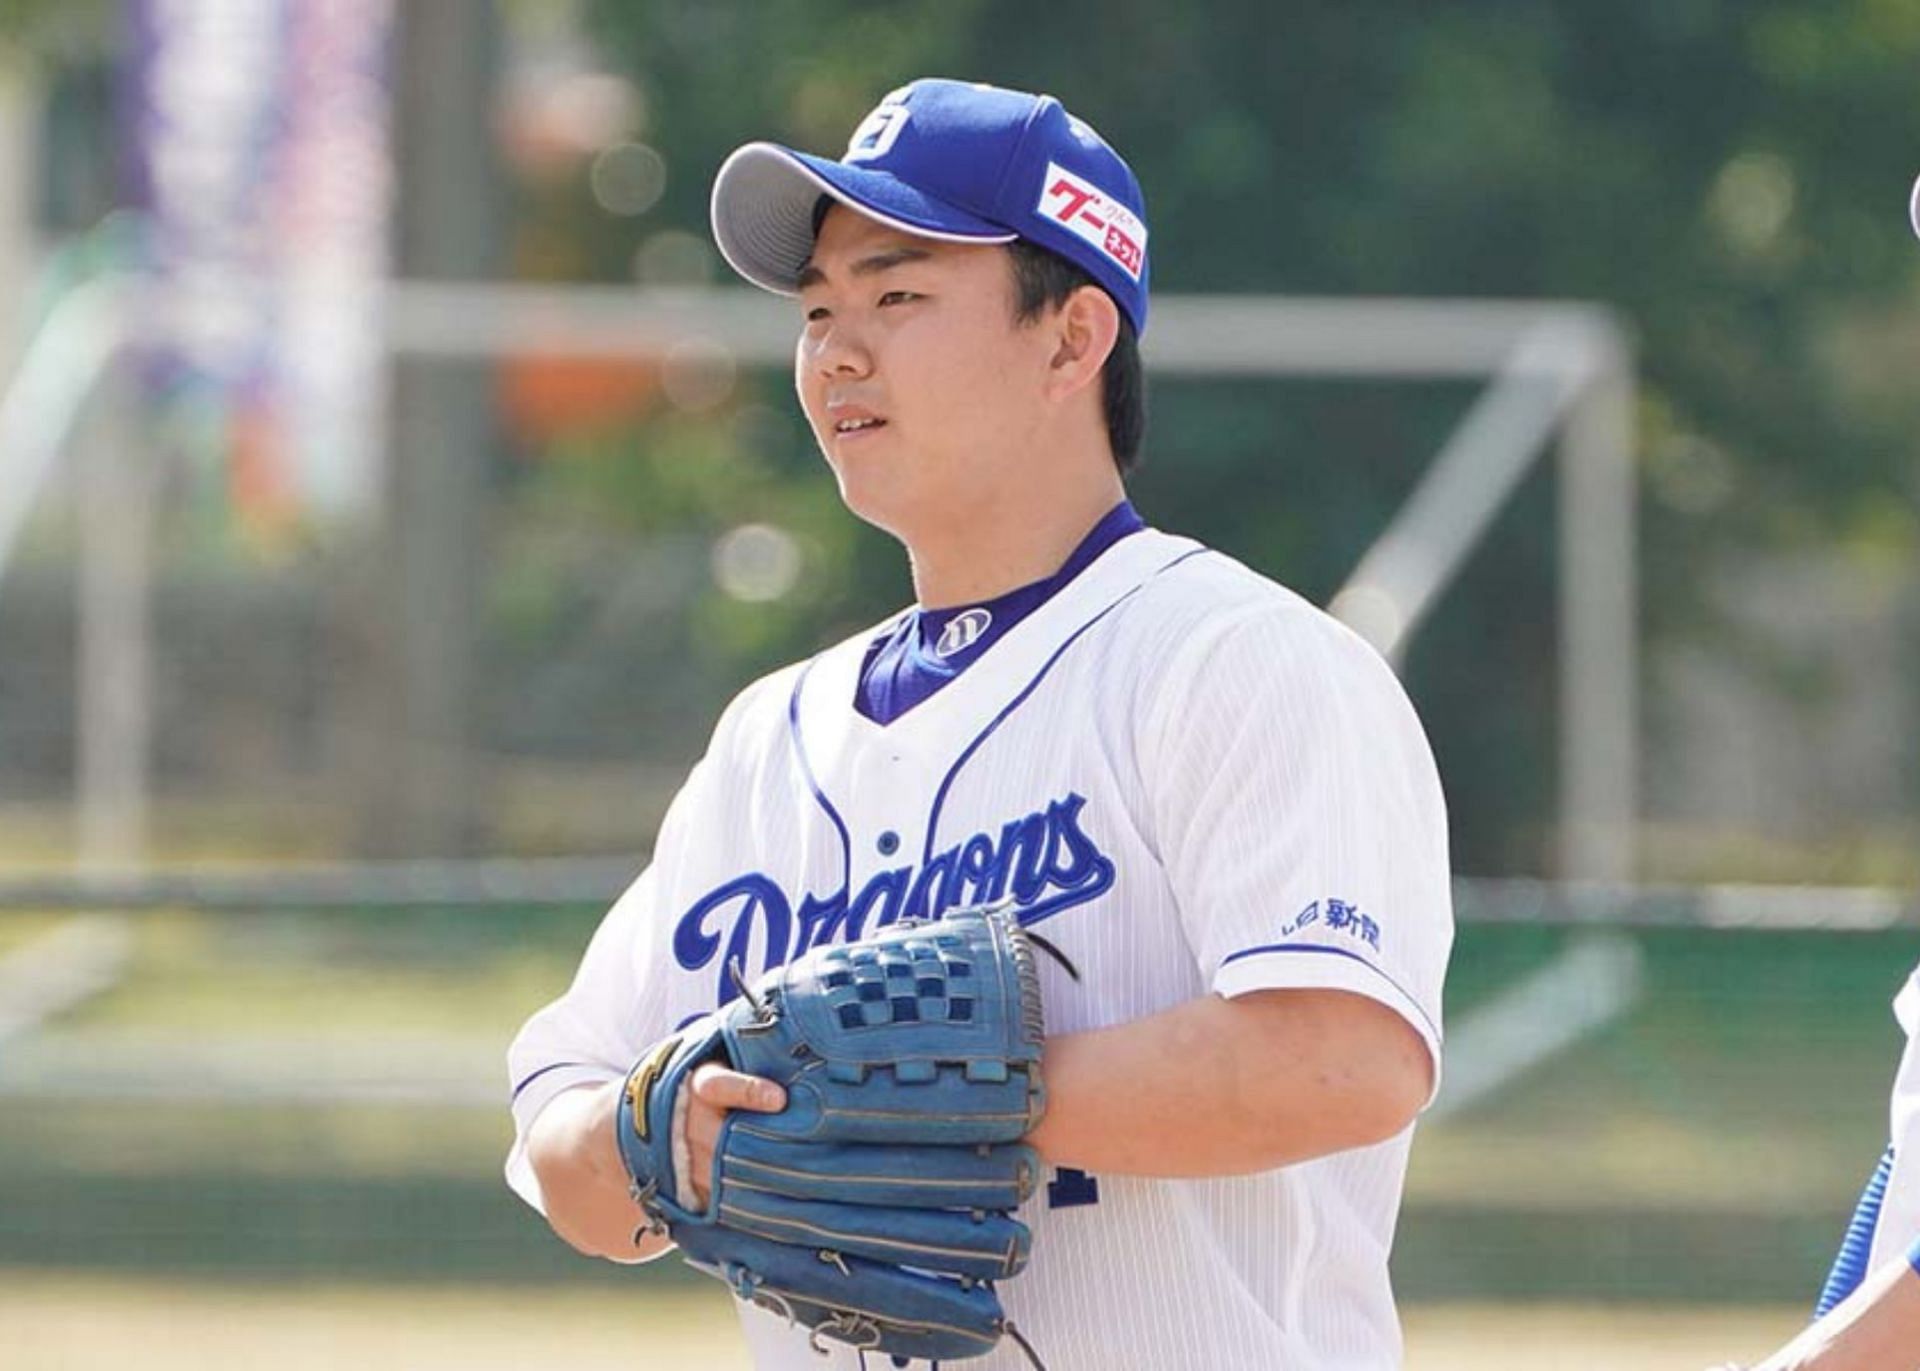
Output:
(617, 1004)
(588, 1036)
(1299, 815)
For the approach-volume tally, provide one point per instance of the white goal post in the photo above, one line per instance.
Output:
(1559, 377)
(1552, 370)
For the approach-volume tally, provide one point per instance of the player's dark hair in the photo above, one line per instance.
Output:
(1044, 280)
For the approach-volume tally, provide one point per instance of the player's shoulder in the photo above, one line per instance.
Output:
(756, 712)
(1221, 635)
(1228, 643)
(1207, 600)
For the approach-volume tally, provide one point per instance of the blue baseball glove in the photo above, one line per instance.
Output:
(877, 1207)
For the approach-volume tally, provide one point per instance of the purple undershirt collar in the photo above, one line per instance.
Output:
(927, 648)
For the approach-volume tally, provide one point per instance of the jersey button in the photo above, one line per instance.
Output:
(889, 843)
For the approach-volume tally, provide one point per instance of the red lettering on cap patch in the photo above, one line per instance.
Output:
(1125, 251)
(1077, 204)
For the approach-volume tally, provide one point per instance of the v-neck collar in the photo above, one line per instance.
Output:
(824, 698)
(911, 661)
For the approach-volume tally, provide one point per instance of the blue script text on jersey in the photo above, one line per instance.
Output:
(1043, 861)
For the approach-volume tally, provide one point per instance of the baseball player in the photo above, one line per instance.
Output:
(1212, 798)
(1868, 1314)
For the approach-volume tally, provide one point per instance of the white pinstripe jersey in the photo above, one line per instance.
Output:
(1196, 782)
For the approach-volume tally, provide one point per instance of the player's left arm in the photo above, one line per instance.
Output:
(1217, 1086)
(1876, 1328)
(1303, 832)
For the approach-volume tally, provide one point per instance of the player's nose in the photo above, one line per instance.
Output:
(839, 350)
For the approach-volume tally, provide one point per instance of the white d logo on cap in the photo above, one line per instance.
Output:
(878, 130)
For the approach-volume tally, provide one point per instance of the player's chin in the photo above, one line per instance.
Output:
(867, 503)
(866, 473)
(876, 493)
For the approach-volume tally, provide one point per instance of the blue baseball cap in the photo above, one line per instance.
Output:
(950, 160)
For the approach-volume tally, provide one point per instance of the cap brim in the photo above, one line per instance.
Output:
(764, 198)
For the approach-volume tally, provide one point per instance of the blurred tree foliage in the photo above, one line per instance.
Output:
(1729, 176)
(43, 27)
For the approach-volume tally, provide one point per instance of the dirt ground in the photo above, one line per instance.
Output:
(59, 1323)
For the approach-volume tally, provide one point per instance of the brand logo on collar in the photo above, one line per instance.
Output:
(962, 632)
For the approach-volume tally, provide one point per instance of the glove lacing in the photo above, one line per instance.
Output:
(1006, 1326)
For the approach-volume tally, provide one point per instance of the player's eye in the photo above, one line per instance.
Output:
(898, 297)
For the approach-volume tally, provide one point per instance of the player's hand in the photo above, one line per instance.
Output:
(712, 1090)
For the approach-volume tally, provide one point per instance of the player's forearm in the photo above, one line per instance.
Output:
(1876, 1328)
(582, 1180)
(1218, 1087)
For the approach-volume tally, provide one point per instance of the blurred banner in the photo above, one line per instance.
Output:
(257, 143)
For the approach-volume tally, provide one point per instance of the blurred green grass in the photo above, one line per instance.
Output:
(480, 971)
(77, 1321)
(1752, 1073)
(1707, 1145)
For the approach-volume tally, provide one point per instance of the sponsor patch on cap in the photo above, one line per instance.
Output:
(1077, 204)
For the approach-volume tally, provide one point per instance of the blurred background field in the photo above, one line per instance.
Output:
(393, 487)
(56, 1323)
(276, 1096)
(283, 1131)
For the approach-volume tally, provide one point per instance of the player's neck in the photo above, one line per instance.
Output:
(1006, 545)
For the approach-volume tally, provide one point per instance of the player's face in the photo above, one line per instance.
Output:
(923, 391)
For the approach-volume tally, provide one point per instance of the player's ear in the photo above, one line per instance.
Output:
(1084, 328)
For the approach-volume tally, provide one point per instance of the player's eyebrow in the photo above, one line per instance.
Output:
(871, 265)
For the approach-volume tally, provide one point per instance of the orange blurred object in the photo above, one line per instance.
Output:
(545, 396)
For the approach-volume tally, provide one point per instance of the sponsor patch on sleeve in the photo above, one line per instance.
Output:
(1077, 204)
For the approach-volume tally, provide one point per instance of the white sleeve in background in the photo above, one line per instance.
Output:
(1300, 815)
(1900, 1209)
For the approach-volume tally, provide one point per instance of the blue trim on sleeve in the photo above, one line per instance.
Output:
(1913, 1256)
(1322, 950)
(1850, 1264)
(940, 796)
(557, 1066)
(806, 769)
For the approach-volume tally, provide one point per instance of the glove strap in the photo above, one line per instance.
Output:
(1006, 1326)
(647, 1197)
(639, 1123)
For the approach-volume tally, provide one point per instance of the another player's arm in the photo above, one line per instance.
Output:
(583, 1181)
(1220, 1086)
(1876, 1328)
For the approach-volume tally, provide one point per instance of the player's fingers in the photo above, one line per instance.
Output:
(712, 1091)
(703, 1131)
(723, 1088)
